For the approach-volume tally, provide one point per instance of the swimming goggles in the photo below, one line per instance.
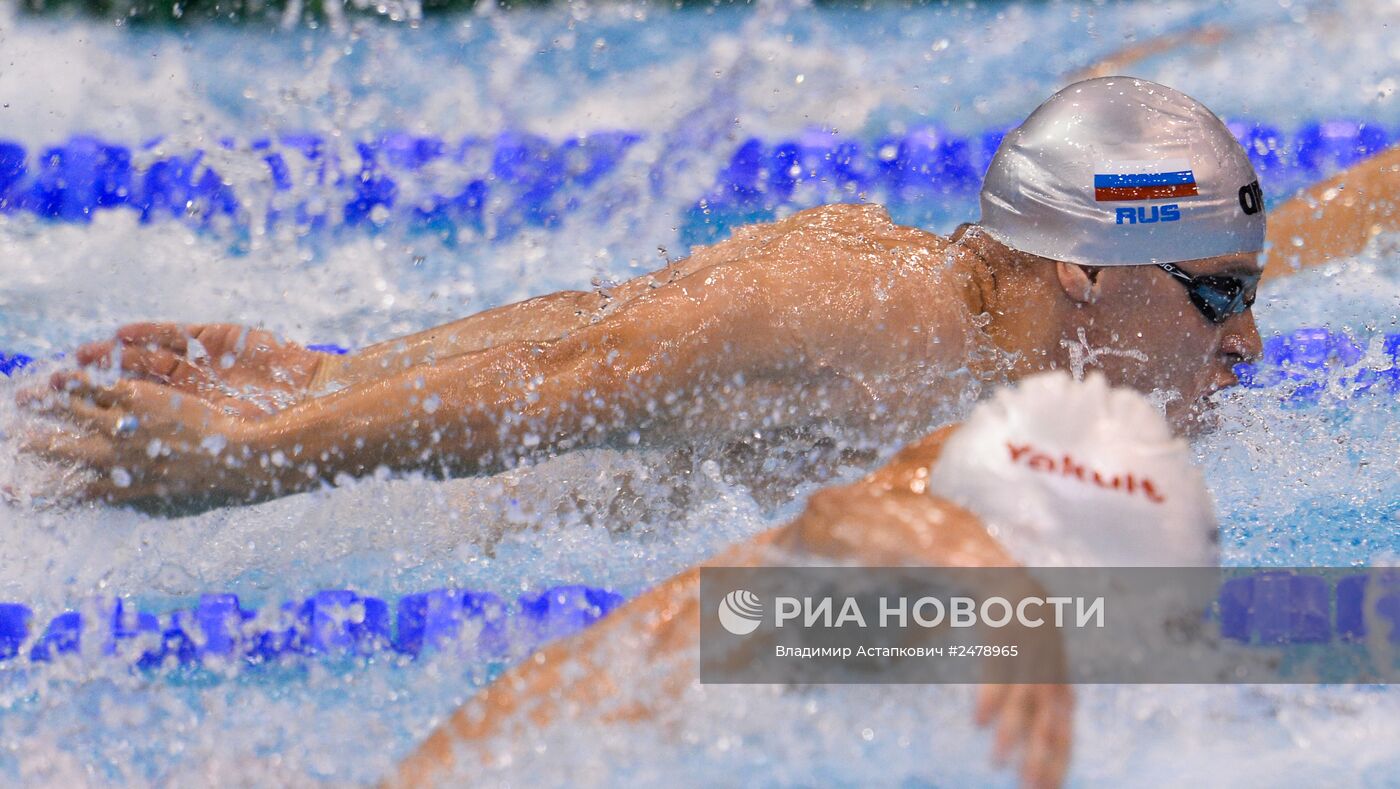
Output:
(1217, 296)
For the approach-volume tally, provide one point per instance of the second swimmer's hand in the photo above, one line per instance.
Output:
(1025, 698)
(146, 443)
(248, 371)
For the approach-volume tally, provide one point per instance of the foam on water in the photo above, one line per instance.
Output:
(697, 81)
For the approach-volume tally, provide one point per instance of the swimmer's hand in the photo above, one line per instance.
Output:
(1035, 718)
(882, 521)
(147, 444)
(1029, 715)
(243, 370)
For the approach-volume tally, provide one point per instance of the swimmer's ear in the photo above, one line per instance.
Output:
(1080, 283)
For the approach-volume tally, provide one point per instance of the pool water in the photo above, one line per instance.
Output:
(1311, 482)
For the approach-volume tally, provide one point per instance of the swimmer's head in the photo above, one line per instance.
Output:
(1076, 473)
(1143, 216)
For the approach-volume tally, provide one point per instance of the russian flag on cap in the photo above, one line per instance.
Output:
(1157, 180)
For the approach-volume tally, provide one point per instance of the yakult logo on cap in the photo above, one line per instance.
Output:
(1064, 465)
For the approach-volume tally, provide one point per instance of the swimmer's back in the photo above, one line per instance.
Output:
(842, 239)
(844, 290)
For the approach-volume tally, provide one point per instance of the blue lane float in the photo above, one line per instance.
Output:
(11, 363)
(218, 628)
(306, 180)
(1270, 608)
(1311, 363)
(498, 185)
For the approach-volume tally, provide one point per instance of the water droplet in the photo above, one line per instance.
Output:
(195, 351)
(432, 403)
(121, 477)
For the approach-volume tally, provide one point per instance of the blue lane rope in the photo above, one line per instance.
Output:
(1257, 607)
(219, 628)
(12, 363)
(1305, 363)
(498, 185)
(1311, 362)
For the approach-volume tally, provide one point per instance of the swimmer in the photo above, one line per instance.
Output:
(1121, 231)
(942, 501)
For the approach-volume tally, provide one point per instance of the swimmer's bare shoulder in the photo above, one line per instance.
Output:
(832, 236)
(857, 291)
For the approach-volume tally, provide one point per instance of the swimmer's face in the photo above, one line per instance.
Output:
(1158, 340)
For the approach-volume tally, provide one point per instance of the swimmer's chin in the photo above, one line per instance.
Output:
(1186, 417)
(1198, 420)
(1199, 417)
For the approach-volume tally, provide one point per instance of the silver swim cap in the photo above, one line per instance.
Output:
(1119, 171)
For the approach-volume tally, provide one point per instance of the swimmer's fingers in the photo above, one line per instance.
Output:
(43, 398)
(164, 367)
(78, 385)
(173, 337)
(81, 412)
(86, 454)
(86, 450)
(104, 488)
(1013, 722)
(152, 352)
(119, 393)
(990, 696)
(95, 354)
(1048, 744)
(33, 397)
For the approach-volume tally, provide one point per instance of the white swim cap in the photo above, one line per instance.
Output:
(1075, 473)
(1119, 171)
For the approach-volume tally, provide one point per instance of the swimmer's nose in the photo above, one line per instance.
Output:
(1241, 342)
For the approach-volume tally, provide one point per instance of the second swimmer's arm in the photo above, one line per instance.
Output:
(878, 521)
(1336, 218)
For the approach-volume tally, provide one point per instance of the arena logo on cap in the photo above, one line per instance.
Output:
(1251, 198)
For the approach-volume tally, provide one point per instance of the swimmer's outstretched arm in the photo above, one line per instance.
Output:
(234, 366)
(226, 363)
(540, 319)
(1336, 218)
(150, 443)
(592, 678)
